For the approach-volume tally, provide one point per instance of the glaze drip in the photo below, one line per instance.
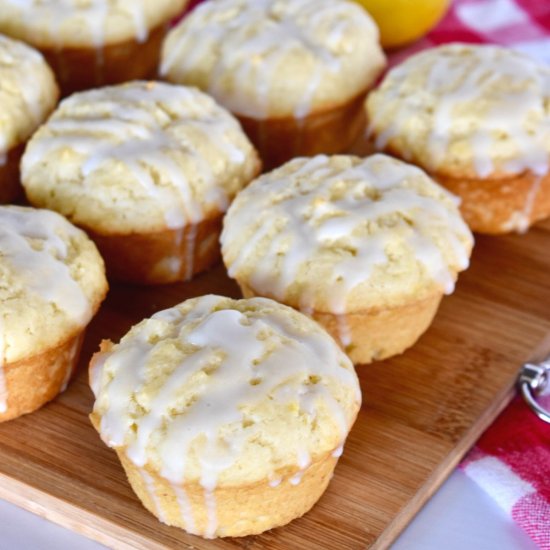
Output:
(31, 246)
(27, 93)
(347, 217)
(146, 131)
(238, 367)
(94, 15)
(481, 105)
(237, 360)
(237, 51)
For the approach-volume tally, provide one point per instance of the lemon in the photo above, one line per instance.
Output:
(404, 21)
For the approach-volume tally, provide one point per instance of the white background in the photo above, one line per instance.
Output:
(459, 517)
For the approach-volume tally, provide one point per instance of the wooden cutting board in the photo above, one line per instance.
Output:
(421, 412)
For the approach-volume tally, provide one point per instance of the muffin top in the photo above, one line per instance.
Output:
(221, 391)
(342, 234)
(140, 157)
(466, 111)
(275, 58)
(28, 92)
(52, 280)
(84, 23)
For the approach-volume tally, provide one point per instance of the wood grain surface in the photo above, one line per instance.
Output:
(421, 412)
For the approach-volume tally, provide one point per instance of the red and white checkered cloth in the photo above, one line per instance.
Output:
(511, 461)
(520, 24)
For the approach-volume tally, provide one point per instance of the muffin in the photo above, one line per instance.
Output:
(28, 94)
(477, 119)
(228, 416)
(52, 283)
(91, 44)
(366, 247)
(147, 169)
(294, 72)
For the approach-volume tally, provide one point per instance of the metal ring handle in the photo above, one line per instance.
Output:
(532, 380)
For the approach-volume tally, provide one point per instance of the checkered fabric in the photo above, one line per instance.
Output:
(520, 24)
(511, 461)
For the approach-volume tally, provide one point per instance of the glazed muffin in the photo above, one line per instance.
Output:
(476, 118)
(295, 72)
(28, 94)
(147, 169)
(52, 283)
(91, 44)
(228, 415)
(366, 247)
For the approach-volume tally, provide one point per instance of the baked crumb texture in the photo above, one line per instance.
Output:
(92, 43)
(74, 23)
(146, 167)
(478, 119)
(295, 73)
(344, 239)
(275, 59)
(28, 94)
(228, 415)
(52, 280)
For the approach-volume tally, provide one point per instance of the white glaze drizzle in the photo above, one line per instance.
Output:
(337, 453)
(275, 482)
(186, 510)
(123, 130)
(239, 337)
(487, 98)
(308, 396)
(152, 492)
(18, 227)
(344, 331)
(252, 38)
(94, 14)
(211, 513)
(303, 459)
(296, 478)
(310, 222)
(55, 284)
(138, 15)
(21, 92)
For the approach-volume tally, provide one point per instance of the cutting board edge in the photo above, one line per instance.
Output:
(72, 517)
(444, 470)
(113, 535)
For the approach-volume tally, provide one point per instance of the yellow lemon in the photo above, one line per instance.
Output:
(404, 21)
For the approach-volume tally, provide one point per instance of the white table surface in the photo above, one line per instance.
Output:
(459, 517)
